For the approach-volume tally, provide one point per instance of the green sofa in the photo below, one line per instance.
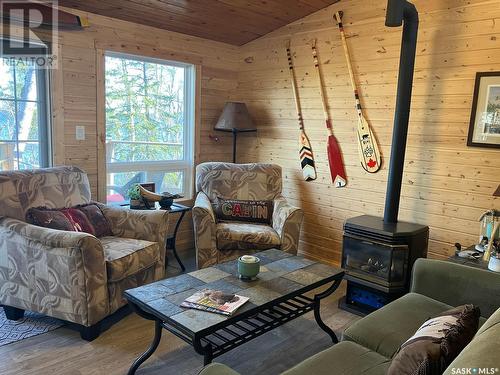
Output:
(369, 344)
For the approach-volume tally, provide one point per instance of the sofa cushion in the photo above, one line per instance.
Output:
(127, 256)
(344, 358)
(243, 236)
(386, 329)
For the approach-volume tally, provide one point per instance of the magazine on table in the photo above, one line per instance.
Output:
(215, 301)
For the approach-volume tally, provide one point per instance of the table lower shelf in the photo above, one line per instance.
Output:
(238, 333)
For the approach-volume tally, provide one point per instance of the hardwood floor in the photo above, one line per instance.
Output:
(62, 352)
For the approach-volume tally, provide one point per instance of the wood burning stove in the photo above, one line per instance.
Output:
(378, 254)
(377, 258)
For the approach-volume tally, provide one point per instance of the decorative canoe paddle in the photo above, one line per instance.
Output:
(369, 155)
(337, 170)
(306, 154)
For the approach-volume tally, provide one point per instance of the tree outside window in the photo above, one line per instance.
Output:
(148, 124)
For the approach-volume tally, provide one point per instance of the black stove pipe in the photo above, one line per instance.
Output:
(401, 12)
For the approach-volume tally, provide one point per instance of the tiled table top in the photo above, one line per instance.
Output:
(281, 274)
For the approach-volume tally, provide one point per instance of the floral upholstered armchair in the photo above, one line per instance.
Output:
(217, 241)
(69, 275)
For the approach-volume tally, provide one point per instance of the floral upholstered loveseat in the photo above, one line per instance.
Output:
(218, 241)
(72, 276)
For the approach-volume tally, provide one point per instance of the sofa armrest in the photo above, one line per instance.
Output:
(70, 266)
(204, 231)
(217, 369)
(287, 220)
(457, 284)
(148, 225)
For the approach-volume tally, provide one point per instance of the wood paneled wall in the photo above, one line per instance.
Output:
(447, 185)
(77, 81)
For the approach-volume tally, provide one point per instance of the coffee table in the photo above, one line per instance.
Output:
(277, 296)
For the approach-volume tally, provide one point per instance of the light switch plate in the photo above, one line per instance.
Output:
(80, 133)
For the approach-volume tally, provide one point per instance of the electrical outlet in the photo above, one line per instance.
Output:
(80, 133)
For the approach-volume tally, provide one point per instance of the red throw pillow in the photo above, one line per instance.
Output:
(78, 220)
(46, 218)
(101, 225)
(86, 218)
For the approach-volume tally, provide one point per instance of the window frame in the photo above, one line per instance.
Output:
(44, 108)
(186, 165)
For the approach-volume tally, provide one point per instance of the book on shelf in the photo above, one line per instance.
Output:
(215, 301)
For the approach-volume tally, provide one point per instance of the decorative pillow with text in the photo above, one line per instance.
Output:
(243, 210)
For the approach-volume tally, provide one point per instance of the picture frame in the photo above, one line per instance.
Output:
(484, 127)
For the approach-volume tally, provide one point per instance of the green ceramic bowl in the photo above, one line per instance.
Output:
(248, 267)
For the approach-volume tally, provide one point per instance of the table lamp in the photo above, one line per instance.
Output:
(235, 119)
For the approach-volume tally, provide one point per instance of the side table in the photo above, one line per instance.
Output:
(177, 208)
(170, 243)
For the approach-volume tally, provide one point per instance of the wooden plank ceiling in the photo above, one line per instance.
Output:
(231, 21)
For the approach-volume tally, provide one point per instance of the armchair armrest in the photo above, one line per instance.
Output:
(204, 231)
(49, 237)
(457, 284)
(287, 220)
(71, 265)
(148, 225)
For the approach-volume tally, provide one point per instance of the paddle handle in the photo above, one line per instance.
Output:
(368, 149)
(305, 152)
(294, 86)
(328, 121)
(338, 17)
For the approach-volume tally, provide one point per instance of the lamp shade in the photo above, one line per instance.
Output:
(235, 116)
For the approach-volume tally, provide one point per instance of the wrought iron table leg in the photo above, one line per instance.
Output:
(171, 241)
(205, 350)
(144, 356)
(208, 356)
(317, 316)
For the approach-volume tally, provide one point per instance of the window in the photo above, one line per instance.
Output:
(149, 124)
(24, 121)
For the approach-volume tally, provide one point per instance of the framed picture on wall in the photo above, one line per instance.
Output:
(484, 128)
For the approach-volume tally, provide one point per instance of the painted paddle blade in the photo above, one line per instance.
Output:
(306, 158)
(369, 154)
(337, 170)
(305, 151)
